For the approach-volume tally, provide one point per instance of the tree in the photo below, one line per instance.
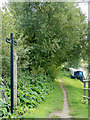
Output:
(52, 33)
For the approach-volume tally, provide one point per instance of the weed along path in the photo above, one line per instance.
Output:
(65, 112)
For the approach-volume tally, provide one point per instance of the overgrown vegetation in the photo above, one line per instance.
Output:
(48, 35)
(32, 90)
(74, 88)
(53, 102)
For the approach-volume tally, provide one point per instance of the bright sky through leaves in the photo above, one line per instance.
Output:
(2, 1)
(82, 5)
(84, 8)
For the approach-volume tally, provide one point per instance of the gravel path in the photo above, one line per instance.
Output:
(65, 112)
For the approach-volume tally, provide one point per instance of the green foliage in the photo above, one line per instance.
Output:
(3, 109)
(74, 88)
(4, 102)
(53, 102)
(48, 34)
(32, 90)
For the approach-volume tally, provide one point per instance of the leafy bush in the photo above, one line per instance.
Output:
(32, 89)
(4, 102)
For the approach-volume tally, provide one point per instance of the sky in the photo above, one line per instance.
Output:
(2, 1)
(83, 6)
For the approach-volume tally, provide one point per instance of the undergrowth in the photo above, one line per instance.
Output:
(32, 90)
(53, 103)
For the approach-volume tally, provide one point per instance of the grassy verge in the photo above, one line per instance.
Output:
(52, 103)
(74, 88)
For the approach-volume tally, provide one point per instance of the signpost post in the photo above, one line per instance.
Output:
(15, 78)
(12, 43)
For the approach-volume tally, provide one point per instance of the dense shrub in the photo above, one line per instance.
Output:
(32, 90)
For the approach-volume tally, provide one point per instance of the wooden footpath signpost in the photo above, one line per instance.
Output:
(12, 43)
(15, 78)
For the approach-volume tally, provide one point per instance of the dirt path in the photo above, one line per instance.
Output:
(65, 112)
